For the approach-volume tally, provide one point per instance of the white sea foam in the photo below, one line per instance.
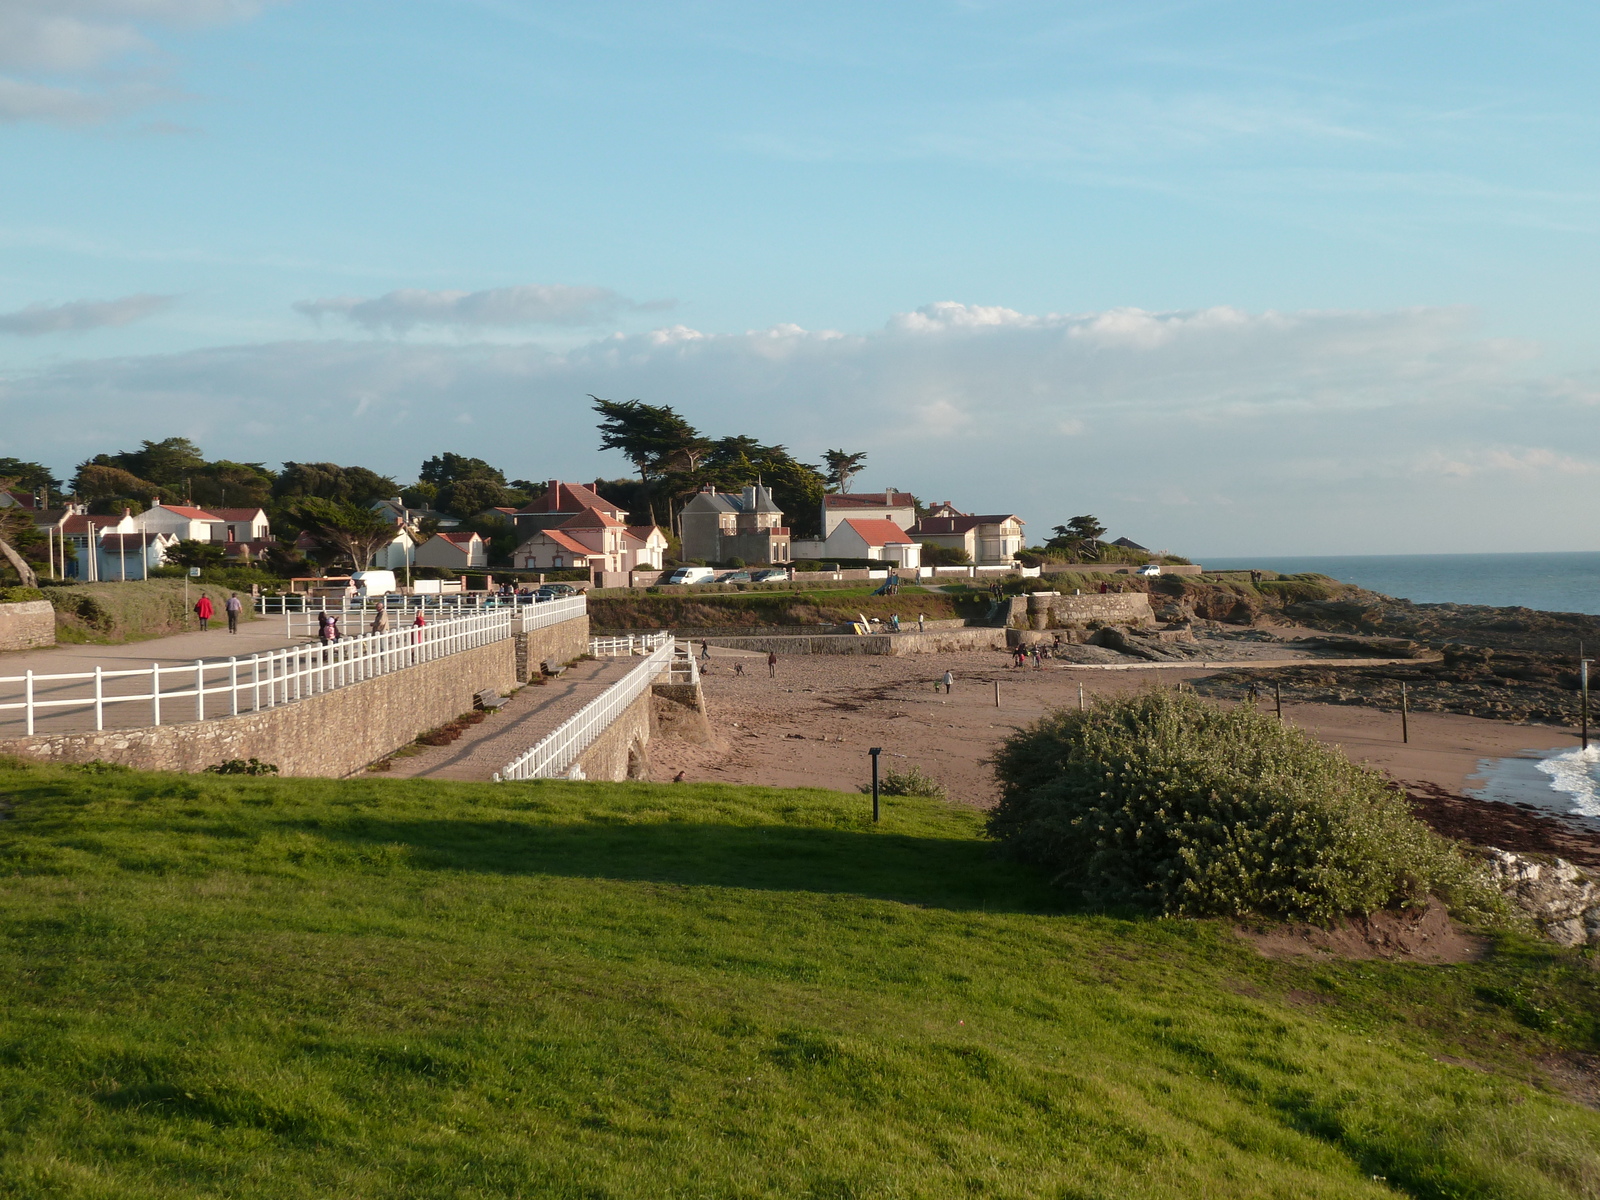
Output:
(1573, 773)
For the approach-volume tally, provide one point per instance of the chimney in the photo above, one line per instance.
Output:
(888, 494)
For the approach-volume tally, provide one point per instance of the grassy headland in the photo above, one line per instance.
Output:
(298, 988)
(113, 613)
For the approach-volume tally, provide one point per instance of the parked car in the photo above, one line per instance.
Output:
(1150, 569)
(692, 575)
(734, 577)
(769, 575)
(554, 591)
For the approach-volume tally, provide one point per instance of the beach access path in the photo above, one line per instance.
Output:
(527, 718)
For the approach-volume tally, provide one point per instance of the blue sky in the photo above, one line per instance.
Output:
(1237, 277)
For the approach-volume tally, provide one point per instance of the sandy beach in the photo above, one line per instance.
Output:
(812, 725)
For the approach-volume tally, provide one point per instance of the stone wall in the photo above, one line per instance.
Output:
(331, 735)
(555, 644)
(935, 641)
(1109, 608)
(623, 750)
(27, 624)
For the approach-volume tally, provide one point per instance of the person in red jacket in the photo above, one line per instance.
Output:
(203, 609)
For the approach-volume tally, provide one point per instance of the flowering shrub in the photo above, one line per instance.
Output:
(1161, 800)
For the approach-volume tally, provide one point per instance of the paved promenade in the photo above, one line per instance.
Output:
(180, 649)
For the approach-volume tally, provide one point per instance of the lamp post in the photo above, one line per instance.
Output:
(875, 751)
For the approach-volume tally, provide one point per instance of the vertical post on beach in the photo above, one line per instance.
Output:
(875, 751)
(1583, 681)
(1080, 697)
(997, 693)
(1277, 696)
(1405, 712)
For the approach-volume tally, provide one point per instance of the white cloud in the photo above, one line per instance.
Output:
(68, 61)
(79, 315)
(1217, 430)
(505, 307)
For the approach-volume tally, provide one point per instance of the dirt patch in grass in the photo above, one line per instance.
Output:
(1427, 935)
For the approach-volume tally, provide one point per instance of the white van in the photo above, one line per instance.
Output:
(373, 583)
(692, 575)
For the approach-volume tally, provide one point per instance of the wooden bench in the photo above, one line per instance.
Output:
(489, 698)
(548, 671)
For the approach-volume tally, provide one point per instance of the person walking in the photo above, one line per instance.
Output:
(418, 625)
(705, 650)
(203, 610)
(922, 621)
(772, 664)
(380, 620)
(949, 678)
(333, 627)
(324, 625)
(233, 606)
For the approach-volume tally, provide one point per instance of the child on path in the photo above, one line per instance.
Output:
(324, 627)
(772, 664)
(204, 610)
(234, 607)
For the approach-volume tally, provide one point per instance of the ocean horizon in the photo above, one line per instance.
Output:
(1553, 582)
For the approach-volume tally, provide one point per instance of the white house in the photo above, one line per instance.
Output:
(887, 505)
(880, 540)
(124, 556)
(241, 525)
(453, 552)
(182, 522)
(989, 540)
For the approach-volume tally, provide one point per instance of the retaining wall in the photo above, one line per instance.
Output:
(623, 750)
(27, 624)
(331, 735)
(555, 644)
(1110, 608)
(935, 641)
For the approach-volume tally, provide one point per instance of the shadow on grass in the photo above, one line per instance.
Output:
(935, 872)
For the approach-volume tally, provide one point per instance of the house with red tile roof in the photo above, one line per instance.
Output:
(592, 540)
(560, 503)
(182, 521)
(874, 538)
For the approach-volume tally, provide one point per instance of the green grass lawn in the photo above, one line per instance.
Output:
(270, 988)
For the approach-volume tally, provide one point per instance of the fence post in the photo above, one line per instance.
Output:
(233, 685)
(199, 690)
(155, 693)
(27, 700)
(99, 699)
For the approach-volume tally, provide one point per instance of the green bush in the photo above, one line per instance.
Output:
(19, 595)
(240, 766)
(1163, 801)
(910, 782)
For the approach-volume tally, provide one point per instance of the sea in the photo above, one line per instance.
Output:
(1565, 782)
(1553, 582)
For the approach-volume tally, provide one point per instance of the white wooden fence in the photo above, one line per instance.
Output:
(229, 686)
(355, 617)
(556, 755)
